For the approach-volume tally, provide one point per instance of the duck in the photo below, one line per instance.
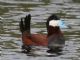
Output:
(53, 40)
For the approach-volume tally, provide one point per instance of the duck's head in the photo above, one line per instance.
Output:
(53, 25)
(55, 36)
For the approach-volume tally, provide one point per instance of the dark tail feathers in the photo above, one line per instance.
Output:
(25, 24)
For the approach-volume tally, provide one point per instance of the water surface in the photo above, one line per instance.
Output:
(10, 37)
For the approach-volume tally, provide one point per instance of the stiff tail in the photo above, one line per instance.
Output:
(25, 24)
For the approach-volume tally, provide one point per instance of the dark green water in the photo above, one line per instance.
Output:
(10, 37)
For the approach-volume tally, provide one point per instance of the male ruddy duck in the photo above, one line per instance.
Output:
(54, 39)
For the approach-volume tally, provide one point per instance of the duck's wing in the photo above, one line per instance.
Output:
(39, 39)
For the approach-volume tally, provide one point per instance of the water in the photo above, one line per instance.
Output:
(10, 37)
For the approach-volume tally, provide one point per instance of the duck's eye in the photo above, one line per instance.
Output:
(54, 23)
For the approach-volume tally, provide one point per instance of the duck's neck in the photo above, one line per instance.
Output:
(54, 30)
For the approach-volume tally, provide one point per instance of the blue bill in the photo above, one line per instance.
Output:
(62, 24)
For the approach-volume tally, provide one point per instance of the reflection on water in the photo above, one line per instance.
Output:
(10, 37)
(77, 1)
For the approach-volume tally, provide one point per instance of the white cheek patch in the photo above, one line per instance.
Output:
(54, 23)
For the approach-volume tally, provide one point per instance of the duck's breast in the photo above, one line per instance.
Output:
(56, 41)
